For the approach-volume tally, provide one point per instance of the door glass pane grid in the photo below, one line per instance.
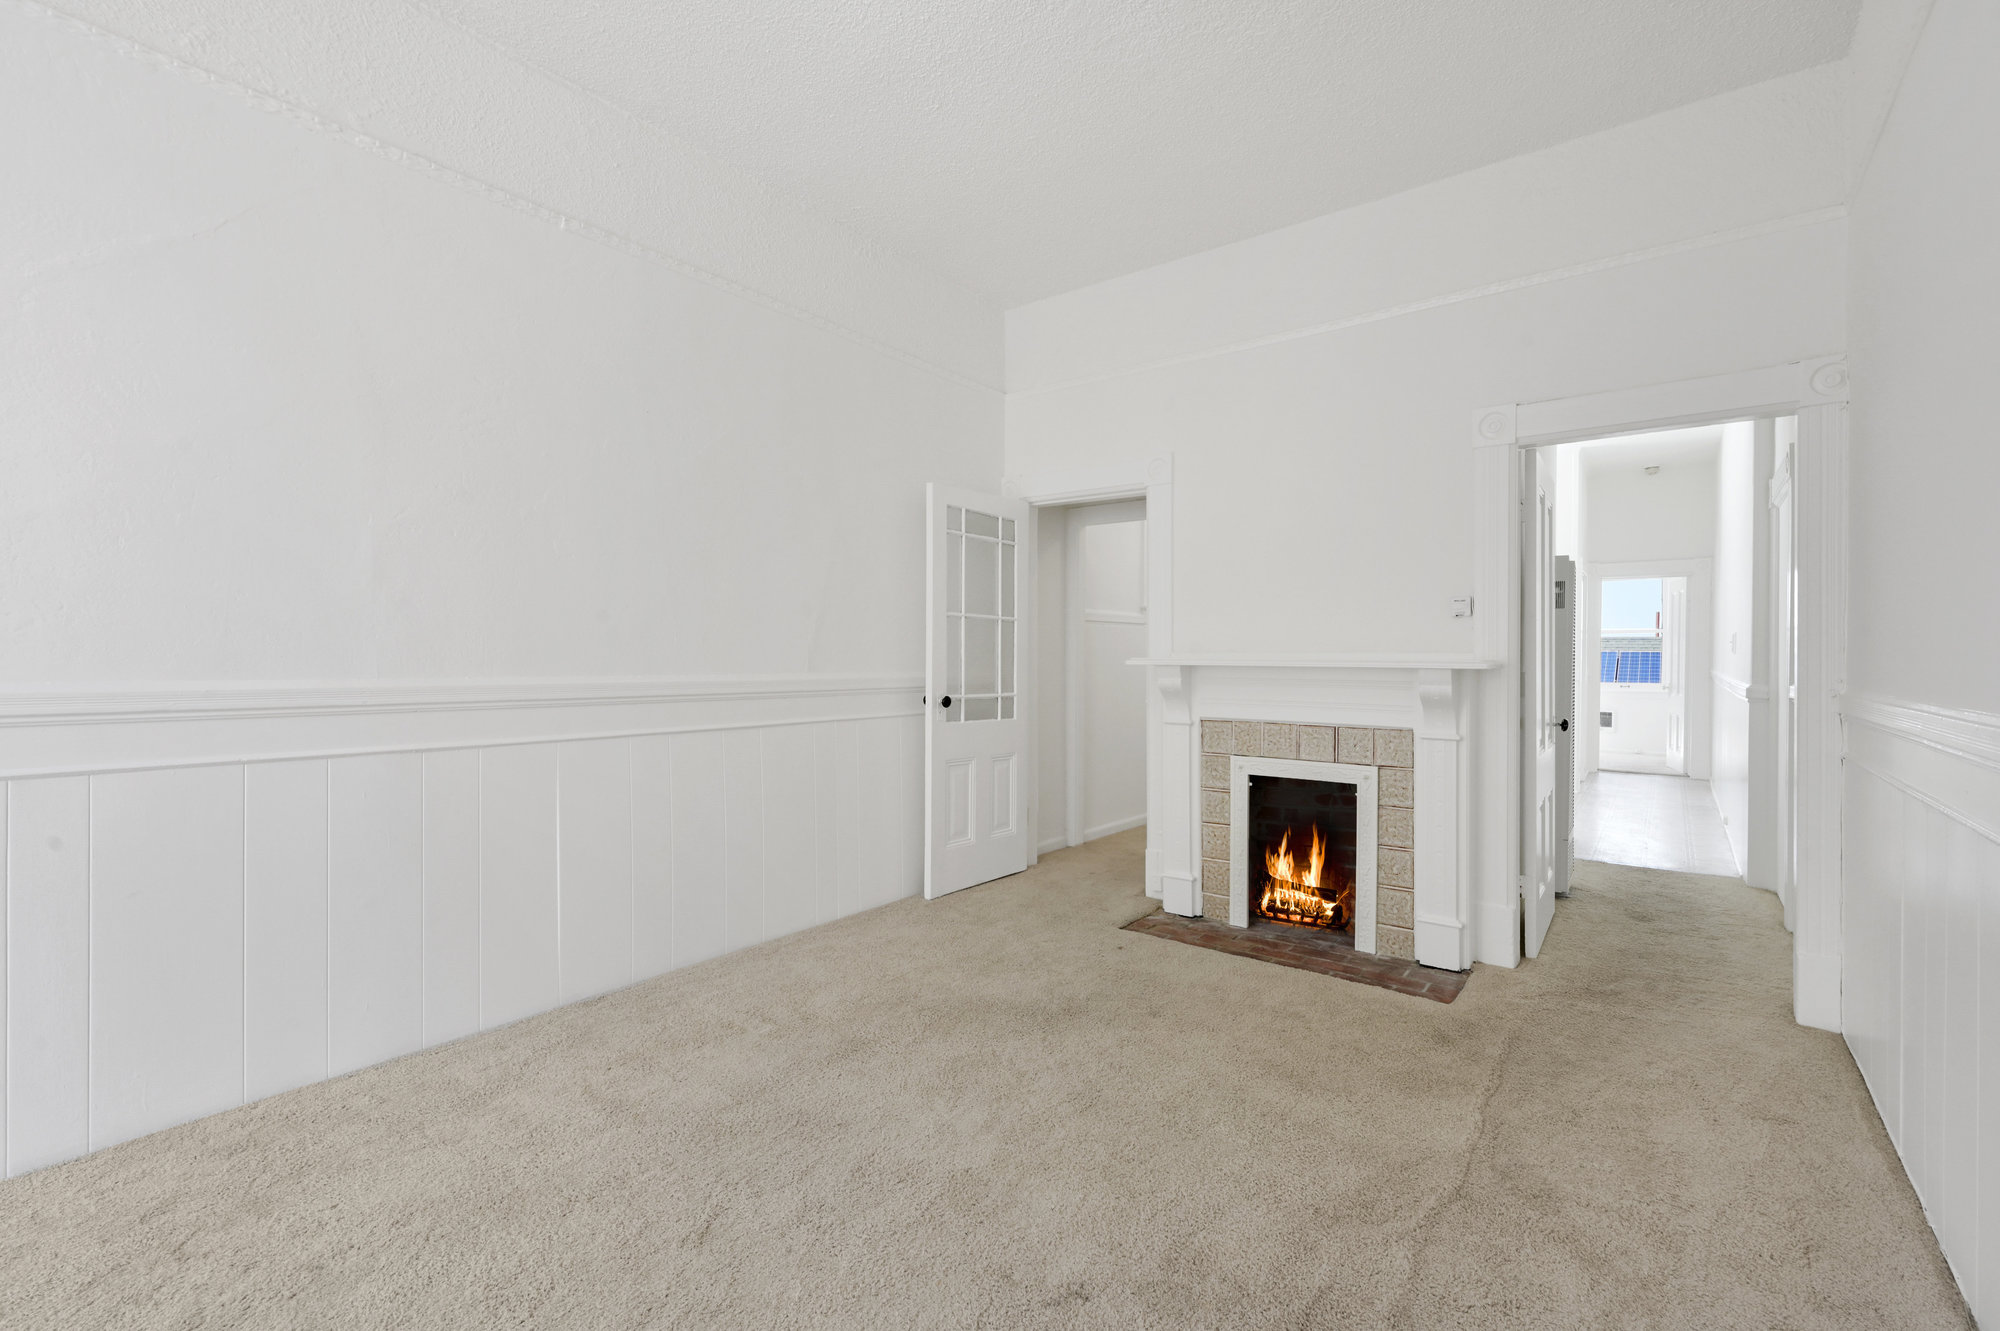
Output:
(980, 615)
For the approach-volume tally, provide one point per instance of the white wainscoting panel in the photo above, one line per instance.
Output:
(743, 836)
(847, 800)
(652, 855)
(166, 949)
(826, 821)
(594, 873)
(701, 907)
(791, 829)
(520, 969)
(284, 925)
(451, 895)
(196, 920)
(48, 971)
(374, 909)
(1920, 1001)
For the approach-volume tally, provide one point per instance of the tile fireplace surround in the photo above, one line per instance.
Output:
(1402, 721)
(1390, 753)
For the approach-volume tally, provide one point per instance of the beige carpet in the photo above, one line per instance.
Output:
(1000, 1110)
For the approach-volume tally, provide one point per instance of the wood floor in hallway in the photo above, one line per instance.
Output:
(1652, 822)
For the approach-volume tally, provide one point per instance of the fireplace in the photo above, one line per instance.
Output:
(1307, 840)
(1301, 851)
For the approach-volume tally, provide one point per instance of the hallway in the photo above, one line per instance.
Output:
(1654, 822)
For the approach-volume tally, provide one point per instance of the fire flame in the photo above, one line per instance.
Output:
(1292, 889)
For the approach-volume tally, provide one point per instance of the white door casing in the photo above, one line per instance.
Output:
(975, 722)
(1784, 676)
(1816, 390)
(1539, 837)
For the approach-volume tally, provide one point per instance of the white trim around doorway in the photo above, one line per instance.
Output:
(1170, 866)
(1817, 392)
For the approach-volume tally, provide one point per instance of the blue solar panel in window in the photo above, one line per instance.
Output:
(1638, 667)
(1607, 667)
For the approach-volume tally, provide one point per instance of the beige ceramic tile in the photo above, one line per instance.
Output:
(1393, 868)
(1357, 745)
(1398, 909)
(1396, 748)
(1215, 878)
(1215, 737)
(1400, 944)
(1281, 740)
(1395, 827)
(1397, 786)
(1215, 806)
(1248, 739)
(1215, 908)
(1319, 744)
(1215, 771)
(1214, 841)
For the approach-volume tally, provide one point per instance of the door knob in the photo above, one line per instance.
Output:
(946, 700)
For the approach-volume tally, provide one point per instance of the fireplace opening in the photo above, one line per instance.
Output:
(1302, 851)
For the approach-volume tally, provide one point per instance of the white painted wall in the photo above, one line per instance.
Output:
(1114, 693)
(1733, 672)
(1316, 386)
(1635, 518)
(1921, 933)
(277, 404)
(276, 408)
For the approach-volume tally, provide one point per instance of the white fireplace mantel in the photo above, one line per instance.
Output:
(1427, 694)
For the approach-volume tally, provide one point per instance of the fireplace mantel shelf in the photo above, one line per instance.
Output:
(1351, 661)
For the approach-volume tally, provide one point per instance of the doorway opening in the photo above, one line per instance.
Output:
(1091, 620)
(1640, 651)
(1681, 757)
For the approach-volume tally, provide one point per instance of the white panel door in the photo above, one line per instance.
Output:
(1568, 730)
(1674, 665)
(1538, 711)
(975, 727)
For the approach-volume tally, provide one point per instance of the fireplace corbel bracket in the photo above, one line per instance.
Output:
(1442, 867)
(1170, 848)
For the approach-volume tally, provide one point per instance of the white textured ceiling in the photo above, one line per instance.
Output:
(1656, 448)
(1027, 147)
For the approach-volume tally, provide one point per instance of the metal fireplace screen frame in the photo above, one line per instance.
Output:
(1363, 779)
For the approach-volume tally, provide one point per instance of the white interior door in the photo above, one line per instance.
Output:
(1539, 714)
(1568, 730)
(1674, 666)
(975, 723)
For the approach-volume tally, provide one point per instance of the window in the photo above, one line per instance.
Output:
(979, 615)
(1630, 647)
(1629, 666)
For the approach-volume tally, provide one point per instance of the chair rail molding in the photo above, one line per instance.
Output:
(1816, 390)
(86, 729)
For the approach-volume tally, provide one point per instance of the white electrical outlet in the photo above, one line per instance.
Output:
(1461, 607)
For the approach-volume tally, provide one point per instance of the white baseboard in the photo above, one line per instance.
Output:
(1443, 943)
(1113, 828)
(1499, 933)
(1052, 845)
